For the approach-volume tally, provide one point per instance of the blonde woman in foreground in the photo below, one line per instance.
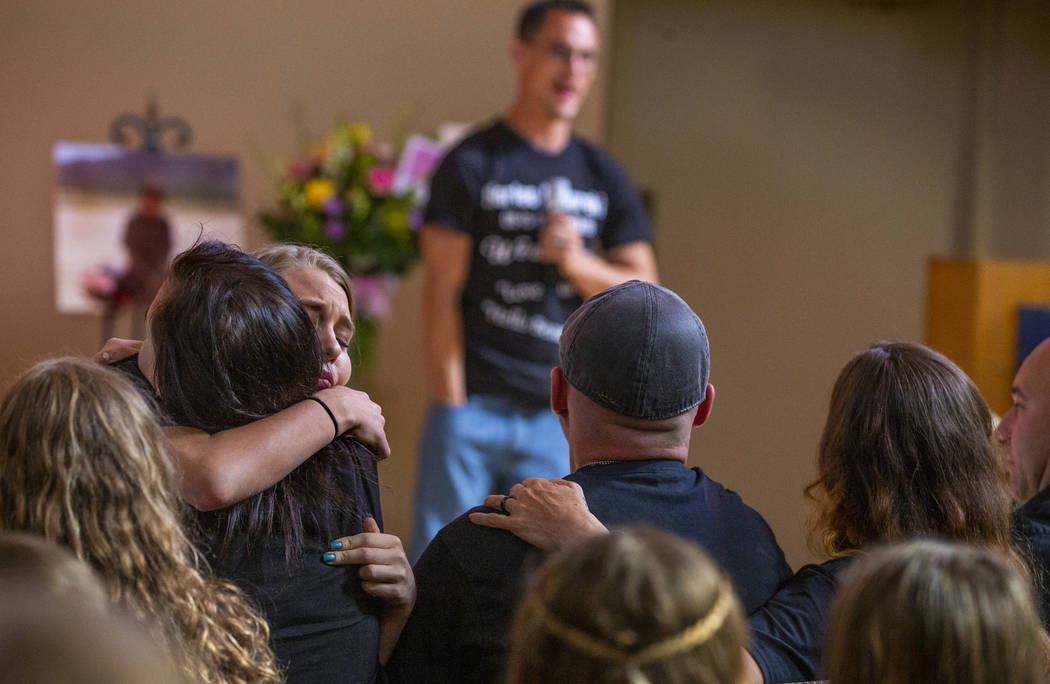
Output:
(83, 464)
(934, 612)
(637, 606)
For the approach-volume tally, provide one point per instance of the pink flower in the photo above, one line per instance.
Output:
(301, 169)
(106, 284)
(100, 283)
(381, 179)
(372, 295)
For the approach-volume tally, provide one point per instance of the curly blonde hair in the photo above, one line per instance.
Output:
(84, 464)
(637, 606)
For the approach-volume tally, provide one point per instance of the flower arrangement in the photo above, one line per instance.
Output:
(342, 197)
(348, 197)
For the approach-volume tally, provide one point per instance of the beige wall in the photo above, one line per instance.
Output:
(805, 161)
(240, 72)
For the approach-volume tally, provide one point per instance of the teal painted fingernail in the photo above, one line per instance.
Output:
(328, 557)
(369, 515)
(335, 545)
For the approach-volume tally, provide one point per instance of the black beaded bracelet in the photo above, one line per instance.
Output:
(330, 415)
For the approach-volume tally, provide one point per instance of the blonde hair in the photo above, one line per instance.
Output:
(937, 612)
(83, 463)
(635, 606)
(283, 257)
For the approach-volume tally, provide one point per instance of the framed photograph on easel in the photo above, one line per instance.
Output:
(119, 217)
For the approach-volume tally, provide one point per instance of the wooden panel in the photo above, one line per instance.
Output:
(971, 317)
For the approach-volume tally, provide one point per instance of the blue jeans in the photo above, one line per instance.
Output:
(483, 447)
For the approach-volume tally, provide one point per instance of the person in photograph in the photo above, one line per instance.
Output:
(147, 239)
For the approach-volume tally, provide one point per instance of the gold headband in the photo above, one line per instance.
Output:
(690, 637)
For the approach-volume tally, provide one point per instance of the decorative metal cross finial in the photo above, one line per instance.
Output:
(150, 129)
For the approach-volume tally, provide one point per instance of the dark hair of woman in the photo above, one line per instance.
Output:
(232, 345)
(906, 453)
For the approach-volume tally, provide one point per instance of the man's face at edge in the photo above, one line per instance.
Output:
(1025, 429)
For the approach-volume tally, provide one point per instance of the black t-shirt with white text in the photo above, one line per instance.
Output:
(498, 188)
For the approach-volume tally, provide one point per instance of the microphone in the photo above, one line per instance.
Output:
(558, 201)
(559, 194)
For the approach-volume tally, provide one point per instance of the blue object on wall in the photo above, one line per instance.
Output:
(1033, 326)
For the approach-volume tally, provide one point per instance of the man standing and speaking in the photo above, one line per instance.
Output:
(524, 221)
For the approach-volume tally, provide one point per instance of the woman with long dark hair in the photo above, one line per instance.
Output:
(905, 453)
(228, 344)
(219, 469)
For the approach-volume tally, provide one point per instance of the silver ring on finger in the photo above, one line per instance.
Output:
(503, 504)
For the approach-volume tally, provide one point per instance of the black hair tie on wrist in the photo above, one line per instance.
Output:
(331, 415)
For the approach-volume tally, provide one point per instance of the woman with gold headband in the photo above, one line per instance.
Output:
(637, 606)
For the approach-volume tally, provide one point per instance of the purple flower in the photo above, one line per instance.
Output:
(332, 206)
(415, 219)
(334, 229)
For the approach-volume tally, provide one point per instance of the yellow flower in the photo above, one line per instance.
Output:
(360, 133)
(317, 190)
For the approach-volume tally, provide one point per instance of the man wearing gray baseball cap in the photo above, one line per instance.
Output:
(631, 385)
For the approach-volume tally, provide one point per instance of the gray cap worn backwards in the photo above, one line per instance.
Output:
(638, 350)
